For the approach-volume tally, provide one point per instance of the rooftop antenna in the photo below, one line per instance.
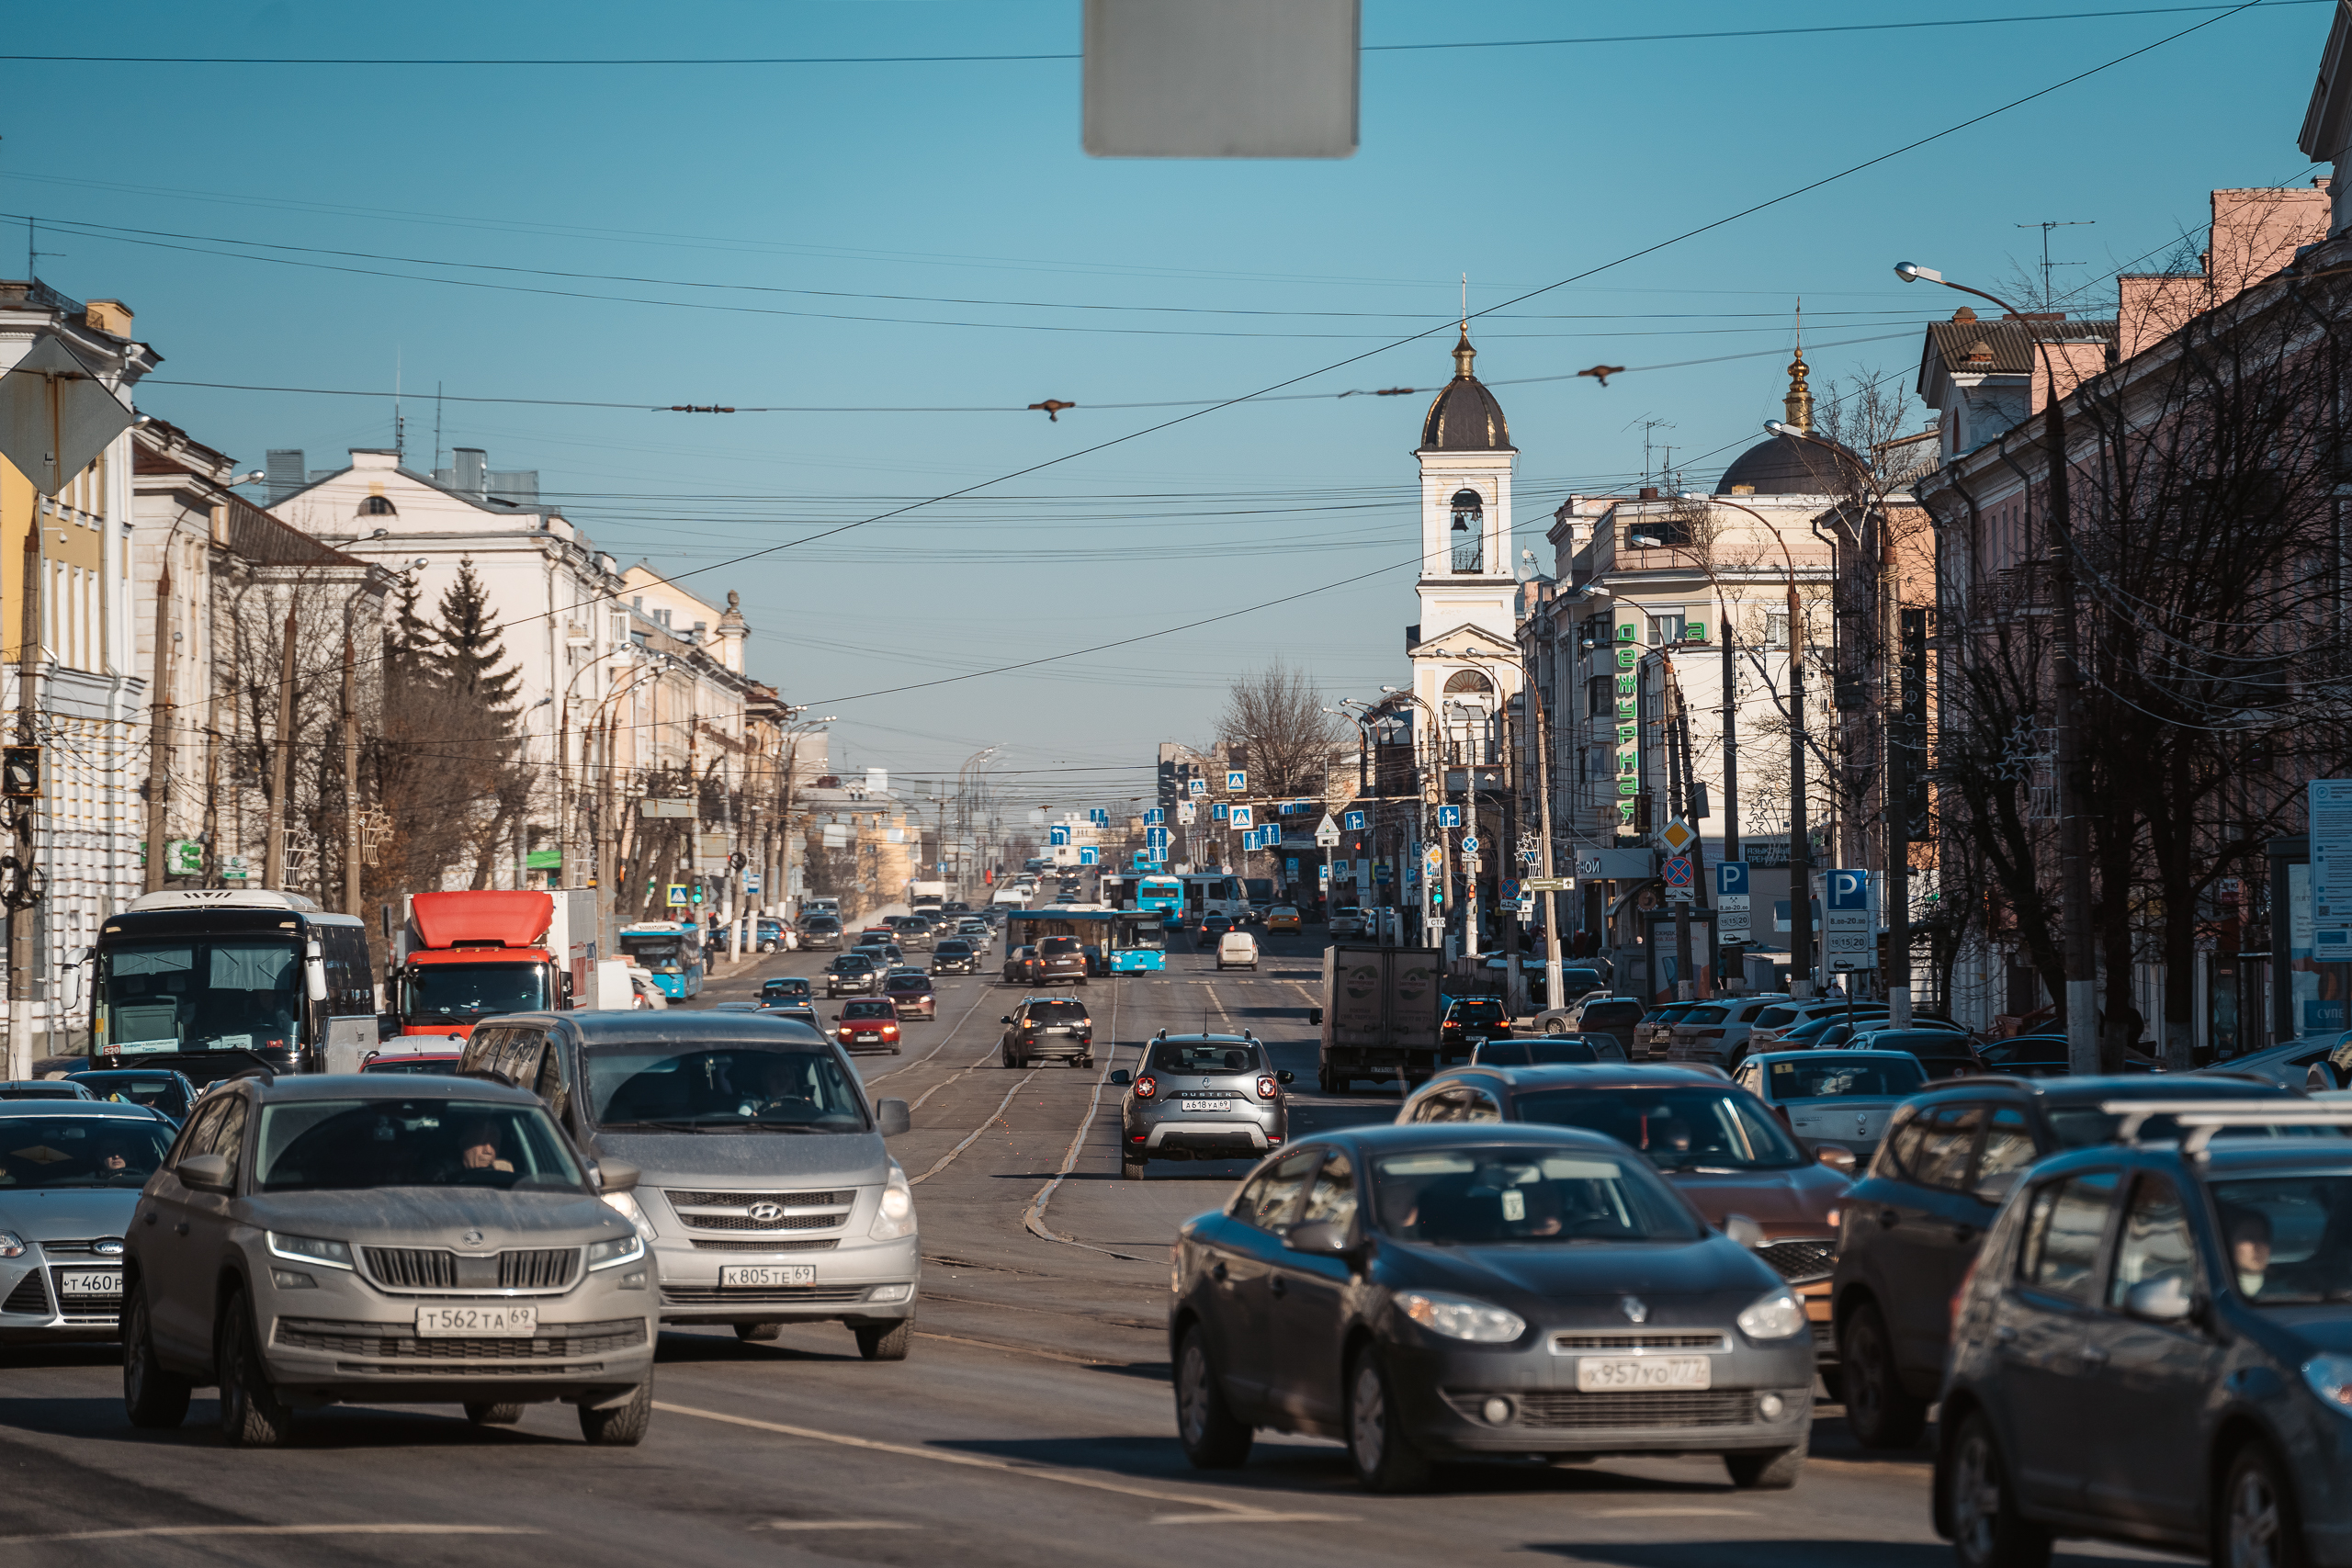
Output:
(1465, 304)
(400, 425)
(2045, 226)
(436, 426)
(33, 252)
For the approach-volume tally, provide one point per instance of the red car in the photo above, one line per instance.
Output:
(867, 1023)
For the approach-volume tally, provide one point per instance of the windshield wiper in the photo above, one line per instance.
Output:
(667, 1126)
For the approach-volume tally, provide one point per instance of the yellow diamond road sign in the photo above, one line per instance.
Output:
(1677, 836)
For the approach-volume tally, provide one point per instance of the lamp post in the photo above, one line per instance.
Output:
(1553, 979)
(1445, 869)
(2073, 827)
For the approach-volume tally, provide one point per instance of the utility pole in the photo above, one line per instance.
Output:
(274, 872)
(1686, 986)
(159, 710)
(1681, 722)
(1800, 848)
(24, 960)
(350, 775)
(1725, 961)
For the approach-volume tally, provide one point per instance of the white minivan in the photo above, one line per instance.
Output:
(1237, 949)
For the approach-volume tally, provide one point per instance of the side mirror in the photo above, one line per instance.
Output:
(1745, 1231)
(1836, 1156)
(205, 1173)
(1324, 1238)
(387, 1025)
(891, 1118)
(616, 1176)
(1315, 1015)
(1286, 1078)
(314, 976)
(2166, 1298)
(1006, 1019)
(1121, 1079)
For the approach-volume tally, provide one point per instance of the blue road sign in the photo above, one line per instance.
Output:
(1152, 857)
(1242, 816)
(1156, 838)
(1848, 889)
(1218, 810)
(1100, 815)
(1272, 833)
(1058, 835)
(1236, 781)
(1196, 786)
(1449, 817)
(1086, 856)
(1469, 843)
(1731, 878)
(1154, 818)
(1353, 821)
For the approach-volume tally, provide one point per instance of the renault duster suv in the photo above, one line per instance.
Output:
(1200, 1097)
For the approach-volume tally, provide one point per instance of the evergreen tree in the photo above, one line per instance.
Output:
(409, 643)
(469, 649)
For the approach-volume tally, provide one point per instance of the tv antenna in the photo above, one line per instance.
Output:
(2045, 226)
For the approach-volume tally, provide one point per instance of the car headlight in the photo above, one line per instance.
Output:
(895, 1216)
(1462, 1317)
(311, 1250)
(624, 1204)
(11, 1245)
(1775, 1315)
(2331, 1378)
(613, 1253)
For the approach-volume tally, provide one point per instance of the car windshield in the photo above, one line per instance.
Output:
(1478, 1012)
(1694, 1128)
(436, 1066)
(1480, 1196)
(1892, 1077)
(1601, 1015)
(851, 963)
(460, 993)
(224, 994)
(2290, 1238)
(1057, 1013)
(876, 1008)
(720, 1088)
(825, 923)
(954, 947)
(1206, 1056)
(310, 1146)
(1552, 1051)
(166, 1092)
(908, 984)
(114, 1150)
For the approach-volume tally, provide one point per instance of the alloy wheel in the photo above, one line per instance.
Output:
(1368, 1417)
(2255, 1525)
(1975, 1497)
(1192, 1392)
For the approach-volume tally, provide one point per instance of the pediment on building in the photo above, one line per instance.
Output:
(1460, 637)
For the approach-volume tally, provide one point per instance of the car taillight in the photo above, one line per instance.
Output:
(1146, 1087)
(1265, 1086)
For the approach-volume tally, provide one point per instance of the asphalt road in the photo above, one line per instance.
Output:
(1032, 1423)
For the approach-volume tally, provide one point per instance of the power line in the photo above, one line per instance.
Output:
(567, 62)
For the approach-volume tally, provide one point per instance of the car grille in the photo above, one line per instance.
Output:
(746, 1222)
(1580, 1342)
(684, 1200)
(552, 1342)
(30, 1297)
(788, 1295)
(1562, 1410)
(88, 1248)
(778, 1246)
(434, 1268)
(1800, 1262)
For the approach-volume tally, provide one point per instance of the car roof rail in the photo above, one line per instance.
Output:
(2200, 1119)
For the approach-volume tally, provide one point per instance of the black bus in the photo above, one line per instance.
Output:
(211, 982)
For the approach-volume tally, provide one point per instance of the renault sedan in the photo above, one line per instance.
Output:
(1494, 1291)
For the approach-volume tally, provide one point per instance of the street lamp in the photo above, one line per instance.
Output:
(1553, 979)
(2074, 828)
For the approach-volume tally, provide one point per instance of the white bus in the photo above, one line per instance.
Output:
(1214, 893)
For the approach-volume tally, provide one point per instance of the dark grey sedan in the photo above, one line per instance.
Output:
(1457, 1292)
(386, 1240)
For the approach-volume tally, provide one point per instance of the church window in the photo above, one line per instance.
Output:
(1467, 682)
(1469, 531)
(377, 506)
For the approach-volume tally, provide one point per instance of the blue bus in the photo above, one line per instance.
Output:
(1164, 894)
(1133, 941)
(671, 950)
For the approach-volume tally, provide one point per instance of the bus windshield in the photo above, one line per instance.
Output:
(203, 994)
(1143, 935)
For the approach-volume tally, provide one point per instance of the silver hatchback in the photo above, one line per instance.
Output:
(1200, 1097)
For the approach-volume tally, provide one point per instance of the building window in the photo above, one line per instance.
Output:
(378, 506)
(1467, 682)
(1598, 704)
(1666, 627)
(1776, 628)
(1469, 531)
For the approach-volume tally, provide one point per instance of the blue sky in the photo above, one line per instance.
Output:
(929, 237)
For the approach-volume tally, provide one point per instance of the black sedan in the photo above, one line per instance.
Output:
(955, 955)
(1215, 926)
(1457, 1292)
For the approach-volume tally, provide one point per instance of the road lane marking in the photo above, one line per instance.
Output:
(1033, 1220)
(1252, 1518)
(973, 1136)
(952, 1030)
(976, 1462)
(835, 1525)
(1671, 1514)
(1013, 1350)
(160, 1530)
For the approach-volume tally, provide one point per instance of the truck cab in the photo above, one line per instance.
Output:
(471, 955)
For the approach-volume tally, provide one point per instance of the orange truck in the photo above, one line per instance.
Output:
(463, 957)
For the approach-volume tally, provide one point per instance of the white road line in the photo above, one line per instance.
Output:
(949, 1158)
(1034, 1220)
(978, 1461)
(162, 1530)
(835, 1525)
(1671, 1514)
(1251, 1518)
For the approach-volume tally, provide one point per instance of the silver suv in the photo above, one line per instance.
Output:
(1200, 1097)
(385, 1240)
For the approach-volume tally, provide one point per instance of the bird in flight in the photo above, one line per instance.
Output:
(1601, 373)
(1053, 407)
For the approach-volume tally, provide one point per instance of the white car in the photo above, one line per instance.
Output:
(647, 991)
(1237, 949)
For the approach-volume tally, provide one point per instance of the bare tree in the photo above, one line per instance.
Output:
(1275, 720)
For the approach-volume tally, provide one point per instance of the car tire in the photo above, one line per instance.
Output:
(622, 1425)
(759, 1333)
(1987, 1532)
(155, 1400)
(1082, 1062)
(1833, 1385)
(1213, 1436)
(2257, 1522)
(1554, 1027)
(1132, 1170)
(885, 1341)
(1384, 1457)
(252, 1416)
(1879, 1412)
(494, 1415)
(1772, 1470)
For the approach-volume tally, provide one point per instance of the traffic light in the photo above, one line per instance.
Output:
(21, 773)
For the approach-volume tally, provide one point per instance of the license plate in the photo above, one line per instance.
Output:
(765, 1276)
(1611, 1374)
(74, 1282)
(863, 1039)
(498, 1322)
(1209, 1105)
